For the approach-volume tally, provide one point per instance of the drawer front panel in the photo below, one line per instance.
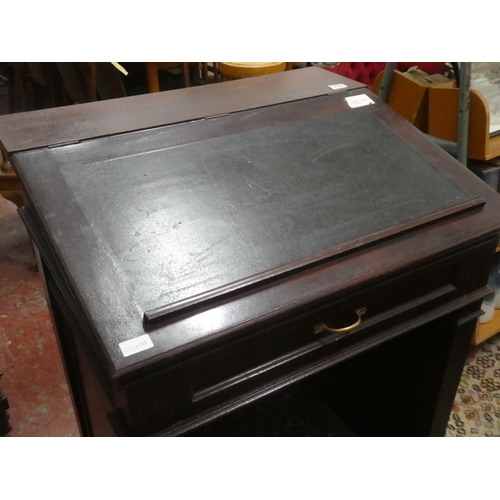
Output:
(293, 343)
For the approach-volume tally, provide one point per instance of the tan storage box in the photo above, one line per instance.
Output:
(443, 122)
(409, 94)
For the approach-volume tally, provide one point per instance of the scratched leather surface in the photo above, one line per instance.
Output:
(181, 220)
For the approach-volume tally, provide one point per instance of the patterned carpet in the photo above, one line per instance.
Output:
(476, 411)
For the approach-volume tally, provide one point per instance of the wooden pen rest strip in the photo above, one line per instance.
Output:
(196, 302)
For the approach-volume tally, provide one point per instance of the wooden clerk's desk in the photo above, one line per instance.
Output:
(200, 247)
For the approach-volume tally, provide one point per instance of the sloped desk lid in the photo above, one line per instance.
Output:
(189, 214)
(193, 212)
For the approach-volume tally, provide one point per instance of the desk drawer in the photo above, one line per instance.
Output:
(299, 342)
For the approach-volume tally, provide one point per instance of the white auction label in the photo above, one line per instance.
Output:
(338, 86)
(136, 345)
(356, 101)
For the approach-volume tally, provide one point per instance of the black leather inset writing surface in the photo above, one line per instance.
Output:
(180, 221)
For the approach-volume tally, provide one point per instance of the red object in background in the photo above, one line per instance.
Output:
(366, 72)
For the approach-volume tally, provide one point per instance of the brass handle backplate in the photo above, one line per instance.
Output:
(323, 328)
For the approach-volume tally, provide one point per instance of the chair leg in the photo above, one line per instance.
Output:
(11, 86)
(152, 76)
(185, 72)
(20, 97)
(204, 71)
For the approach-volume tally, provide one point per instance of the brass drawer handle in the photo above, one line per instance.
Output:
(320, 328)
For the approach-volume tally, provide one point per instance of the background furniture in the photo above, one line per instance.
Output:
(459, 148)
(236, 70)
(46, 85)
(19, 95)
(366, 72)
(34, 86)
(310, 246)
(457, 118)
(408, 93)
(446, 103)
(90, 81)
(152, 69)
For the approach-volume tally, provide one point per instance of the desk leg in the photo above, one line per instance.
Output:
(465, 327)
(89, 398)
(67, 353)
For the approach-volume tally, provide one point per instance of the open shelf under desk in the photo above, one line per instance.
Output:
(486, 330)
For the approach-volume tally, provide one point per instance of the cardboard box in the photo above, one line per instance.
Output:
(409, 94)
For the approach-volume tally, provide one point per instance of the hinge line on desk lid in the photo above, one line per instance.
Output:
(62, 144)
(212, 117)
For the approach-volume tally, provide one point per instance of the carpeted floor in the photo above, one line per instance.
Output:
(476, 411)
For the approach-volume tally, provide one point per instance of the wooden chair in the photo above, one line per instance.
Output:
(109, 83)
(237, 70)
(206, 69)
(20, 96)
(88, 81)
(78, 81)
(152, 69)
(47, 88)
